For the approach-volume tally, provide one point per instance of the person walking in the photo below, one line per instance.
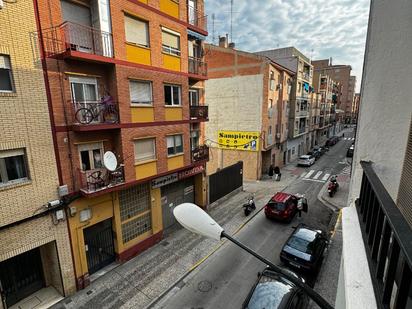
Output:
(270, 171)
(277, 173)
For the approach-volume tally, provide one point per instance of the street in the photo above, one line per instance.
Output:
(226, 277)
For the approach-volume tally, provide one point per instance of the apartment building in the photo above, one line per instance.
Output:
(350, 101)
(355, 108)
(340, 74)
(248, 100)
(126, 82)
(36, 266)
(299, 115)
(376, 260)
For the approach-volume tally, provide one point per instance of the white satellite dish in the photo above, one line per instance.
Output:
(110, 161)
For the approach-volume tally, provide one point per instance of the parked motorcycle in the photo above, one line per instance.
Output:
(333, 186)
(249, 206)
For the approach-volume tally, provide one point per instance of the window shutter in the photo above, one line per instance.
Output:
(140, 92)
(170, 40)
(5, 62)
(136, 31)
(145, 149)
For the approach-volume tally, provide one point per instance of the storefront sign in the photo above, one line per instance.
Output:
(238, 140)
(190, 172)
(164, 180)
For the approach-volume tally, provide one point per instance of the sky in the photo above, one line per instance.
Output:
(319, 28)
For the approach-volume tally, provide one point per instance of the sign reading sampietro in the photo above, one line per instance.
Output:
(238, 140)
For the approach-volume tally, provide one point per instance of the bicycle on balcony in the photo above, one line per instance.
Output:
(98, 112)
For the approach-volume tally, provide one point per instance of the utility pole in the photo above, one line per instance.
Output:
(231, 21)
(213, 28)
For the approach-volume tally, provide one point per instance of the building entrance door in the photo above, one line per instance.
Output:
(98, 240)
(21, 276)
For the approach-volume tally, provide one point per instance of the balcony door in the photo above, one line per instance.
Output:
(192, 8)
(84, 91)
(194, 97)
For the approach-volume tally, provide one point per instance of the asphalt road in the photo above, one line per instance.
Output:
(226, 277)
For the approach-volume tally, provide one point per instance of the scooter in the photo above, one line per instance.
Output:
(333, 187)
(249, 206)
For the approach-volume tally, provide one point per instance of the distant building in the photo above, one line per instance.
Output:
(248, 100)
(350, 101)
(355, 107)
(300, 99)
(376, 265)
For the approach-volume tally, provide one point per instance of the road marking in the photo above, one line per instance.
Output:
(303, 174)
(309, 174)
(317, 175)
(316, 180)
(325, 177)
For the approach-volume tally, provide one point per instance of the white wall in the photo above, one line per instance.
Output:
(383, 126)
(235, 104)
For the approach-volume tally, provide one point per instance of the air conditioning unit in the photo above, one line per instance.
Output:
(63, 190)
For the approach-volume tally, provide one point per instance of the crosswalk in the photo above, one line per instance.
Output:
(313, 175)
(349, 138)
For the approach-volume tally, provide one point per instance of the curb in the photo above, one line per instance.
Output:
(328, 204)
(202, 260)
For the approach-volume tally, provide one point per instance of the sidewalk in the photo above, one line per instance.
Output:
(143, 279)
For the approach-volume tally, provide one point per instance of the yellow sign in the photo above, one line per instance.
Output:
(238, 140)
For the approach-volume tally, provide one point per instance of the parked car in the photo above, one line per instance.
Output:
(283, 206)
(306, 160)
(332, 141)
(273, 290)
(315, 152)
(320, 149)
(304, 249)
(349, 152)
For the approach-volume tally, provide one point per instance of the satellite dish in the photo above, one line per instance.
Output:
(110, 161)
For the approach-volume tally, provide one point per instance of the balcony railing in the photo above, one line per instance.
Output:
(200, 153)
(197, 66)
(100, 179)
(302, 113)
(196, 19)
(200, 112)
(94, 112)
(71, 36)
(387, 238)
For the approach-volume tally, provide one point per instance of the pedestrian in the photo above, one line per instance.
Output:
(343, 134)
(277, 173)
(271, 170)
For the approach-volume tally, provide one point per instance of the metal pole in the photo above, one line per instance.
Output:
(307, 289)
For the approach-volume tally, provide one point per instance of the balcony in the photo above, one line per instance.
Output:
(387, 240)
(196, 19)
(93, 115)
(200, 153)
(269, 140)
(306, 76)
(199, 112)
(197, 67)
(72, 40)
(100, 180)
(302, 113)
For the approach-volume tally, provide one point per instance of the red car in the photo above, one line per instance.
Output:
(283, 206)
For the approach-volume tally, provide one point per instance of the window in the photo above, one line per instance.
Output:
(272, 80)
(91, 156)
(194, 135)
(137, 31)
(83, 89)
(140, 92)
(270, 103)
(170, 42)
(270, 130)
(6, 78)
(13, 166)
(174, 144)
(194, 97)
(172, 95)
(145, 149)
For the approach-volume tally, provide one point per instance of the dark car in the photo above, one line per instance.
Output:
(315, 152)
(349, 152)
(273, 290)
(304, 249)
(332, 141)
(320, 149)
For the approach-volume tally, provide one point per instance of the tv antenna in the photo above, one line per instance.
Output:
(231, 21)
(213, 28)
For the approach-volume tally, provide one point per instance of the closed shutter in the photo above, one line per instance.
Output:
(140, 92)
(76, 13)
(170, 39)
(404, 201)
(136, 31)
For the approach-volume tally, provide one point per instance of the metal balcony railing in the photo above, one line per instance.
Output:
(199, 112)
(100, 179)
(388, 241)
(195, 18)
(93, 112)
(197, 66)
(72, 36)
(200, 153)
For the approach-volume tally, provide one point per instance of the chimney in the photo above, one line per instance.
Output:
(223, 41)
(232, 45)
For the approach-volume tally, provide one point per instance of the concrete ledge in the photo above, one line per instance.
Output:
(355, 289)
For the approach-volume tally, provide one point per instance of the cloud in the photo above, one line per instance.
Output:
(318, 28)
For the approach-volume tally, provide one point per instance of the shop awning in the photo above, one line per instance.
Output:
(196, 35)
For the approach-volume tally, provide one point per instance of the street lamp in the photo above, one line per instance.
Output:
(193, 218)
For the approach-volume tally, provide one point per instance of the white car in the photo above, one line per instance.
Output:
(306, 160)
